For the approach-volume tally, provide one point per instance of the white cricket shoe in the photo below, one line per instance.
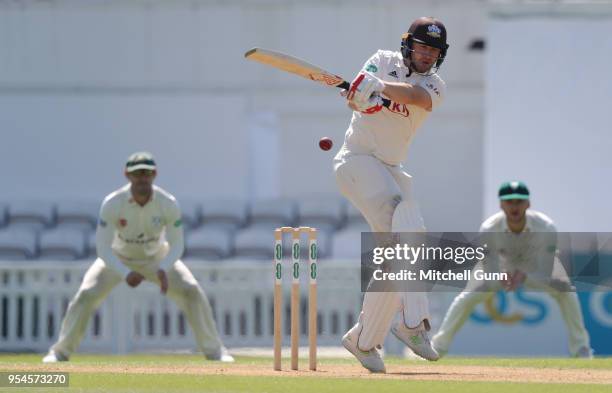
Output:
(221, 356)
(369, 359)
(54, 357)
(416, 339)
(435, 343)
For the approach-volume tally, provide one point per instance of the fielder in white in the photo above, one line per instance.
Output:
(139, 237)
(370, 175)
(529, 259)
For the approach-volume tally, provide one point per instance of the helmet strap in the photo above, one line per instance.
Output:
(432, 70)
(406, 50)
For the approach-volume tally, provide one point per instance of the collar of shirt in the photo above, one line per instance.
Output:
(402, 71)
(132, 201)
(527, 227)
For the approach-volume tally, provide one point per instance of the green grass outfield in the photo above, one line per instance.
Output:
(116, 375)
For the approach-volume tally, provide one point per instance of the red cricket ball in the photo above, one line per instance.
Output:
(325, 143)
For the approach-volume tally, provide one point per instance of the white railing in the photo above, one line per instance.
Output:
(34, 297)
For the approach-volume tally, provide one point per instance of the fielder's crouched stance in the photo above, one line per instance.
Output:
(139, 237)
(369, 174)
(522, 243)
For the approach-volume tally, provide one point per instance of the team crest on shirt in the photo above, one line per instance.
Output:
(371, 68)
(157, 221)
(122, 222)
(434, 31)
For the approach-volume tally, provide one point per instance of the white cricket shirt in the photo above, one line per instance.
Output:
(387, 134)
(130, 232)
(529, 251)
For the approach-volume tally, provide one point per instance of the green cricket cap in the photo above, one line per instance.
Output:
(140, 160)
(513, 190)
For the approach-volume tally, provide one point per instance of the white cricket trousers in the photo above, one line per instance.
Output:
(99, 280)
(463, 305)
(376, 189)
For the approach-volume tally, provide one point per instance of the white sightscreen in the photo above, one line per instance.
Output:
(547, 115)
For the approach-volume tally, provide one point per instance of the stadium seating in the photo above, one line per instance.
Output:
(63, 244)
(255, 243)
(192, 213)
(208, 243)
(273, 213)
(3, 213)
(90, 244)
(215, 229)
(347, 244)
(79, 214)
(18, 244)
(31, 215)
(355, 220)
(228, 214)
(325, 214)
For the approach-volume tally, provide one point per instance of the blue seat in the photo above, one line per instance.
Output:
(63, 244)
(34, 215)
(210, 244)
(346, 244)
(255, 243)
(354, 219)
(325, 214)
(18, 244)
(3, 214)
(191, 211)
(273, 213)
(90, 244)
(78, 214)
(229, 214)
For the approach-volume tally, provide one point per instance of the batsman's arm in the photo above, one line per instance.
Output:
(406, 93)
(372, 67)
(346, 86)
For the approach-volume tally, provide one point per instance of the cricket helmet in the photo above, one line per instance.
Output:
(427, 31)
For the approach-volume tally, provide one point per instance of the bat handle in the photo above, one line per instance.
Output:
(345, 85)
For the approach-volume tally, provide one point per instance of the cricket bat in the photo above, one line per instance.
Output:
(299, 67)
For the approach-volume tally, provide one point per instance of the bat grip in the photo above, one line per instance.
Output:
(345, 85)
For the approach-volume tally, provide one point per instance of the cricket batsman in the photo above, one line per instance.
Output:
(139, 237)
(369, 174)
(517, 246)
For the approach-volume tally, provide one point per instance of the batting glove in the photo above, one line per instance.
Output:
(364, 86)
(371, 106)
